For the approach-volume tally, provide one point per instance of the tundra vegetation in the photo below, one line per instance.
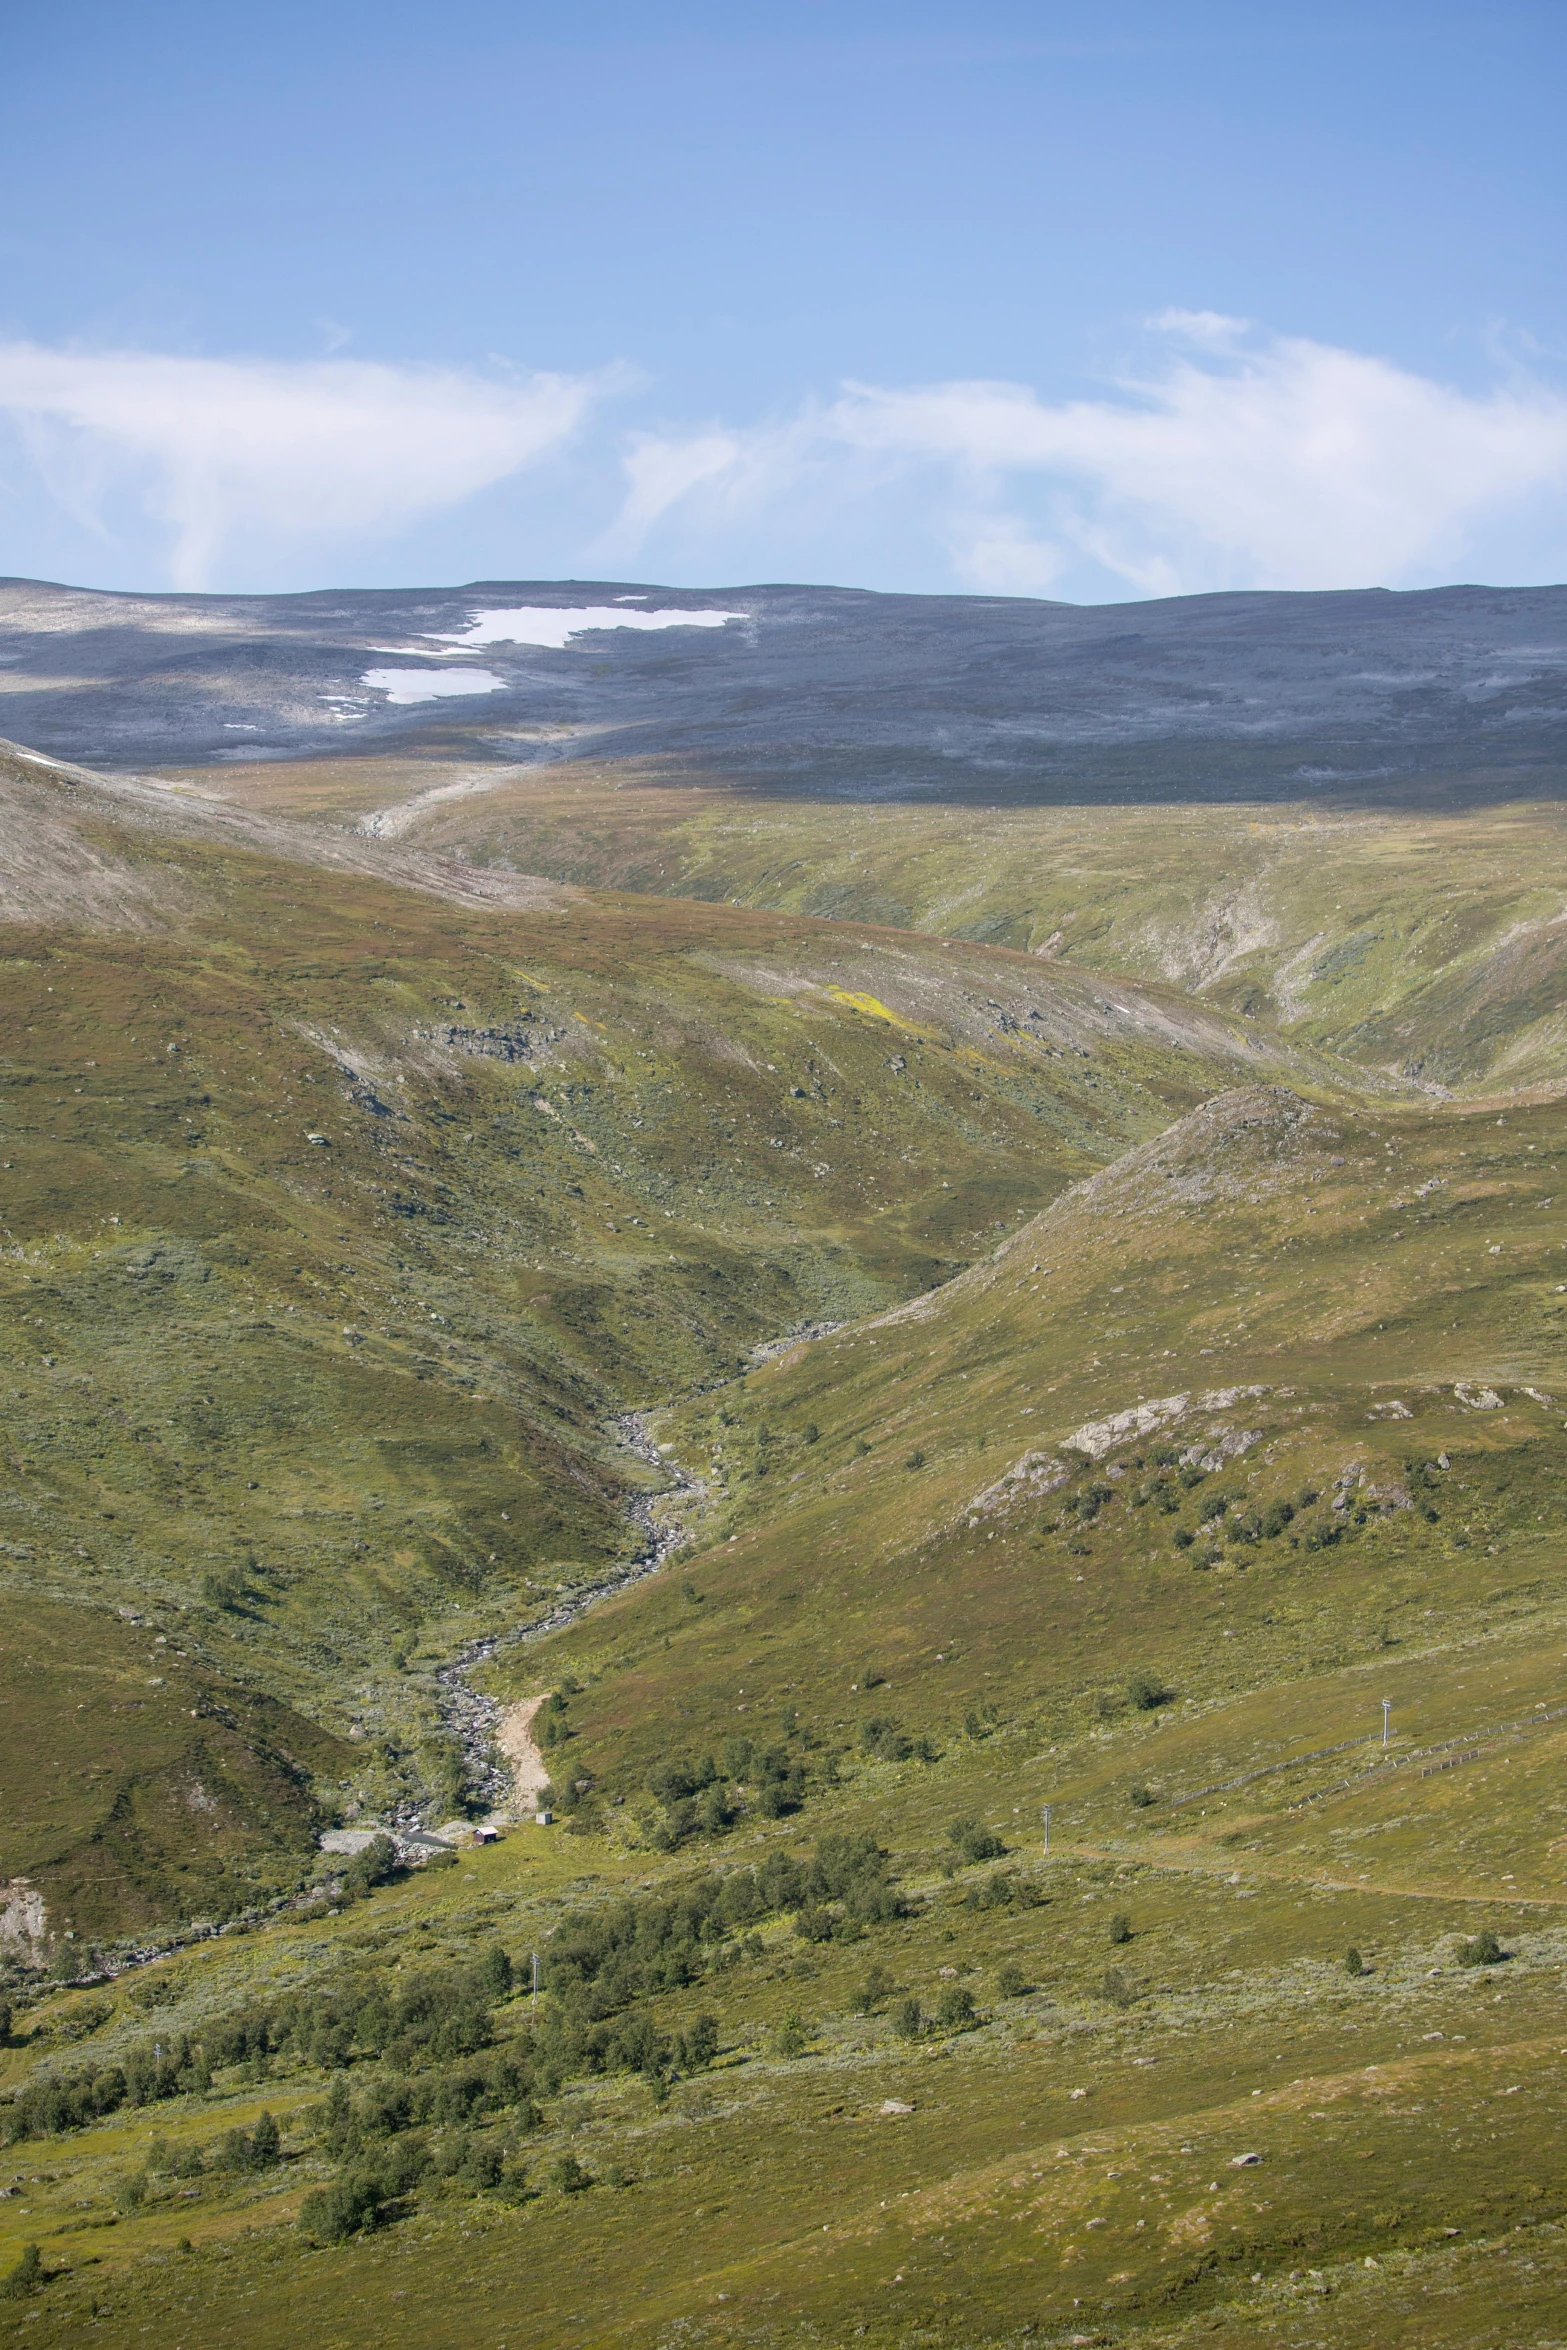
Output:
(1168, 1386)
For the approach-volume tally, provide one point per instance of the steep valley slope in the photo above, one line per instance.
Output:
(341, 1218)
(1070, 1848)
(1430, 944)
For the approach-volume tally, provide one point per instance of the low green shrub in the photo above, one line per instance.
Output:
(870, 1994)
(975, 1842)
(790, 2038)
(26, 2276)
(999, 1891)
(376, 1865)
(328, 2215)
(252, 2150)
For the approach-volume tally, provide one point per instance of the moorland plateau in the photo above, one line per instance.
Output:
(916, 1243)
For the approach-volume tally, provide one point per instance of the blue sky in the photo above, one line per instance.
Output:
(1078, 300)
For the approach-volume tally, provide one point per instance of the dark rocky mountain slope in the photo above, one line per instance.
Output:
(811, 691)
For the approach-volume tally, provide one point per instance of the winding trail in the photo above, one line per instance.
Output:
(503, 1763)
(530, 1773)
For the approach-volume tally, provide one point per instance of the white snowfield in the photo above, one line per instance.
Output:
(549, 624)
(525, 624)
(428, 685)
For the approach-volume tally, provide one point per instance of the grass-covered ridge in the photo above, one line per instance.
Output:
(340, 1220)
(1429, 943)
(1106, 1424)
(1191, 1404)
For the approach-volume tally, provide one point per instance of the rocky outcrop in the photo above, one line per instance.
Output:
(24, 1922)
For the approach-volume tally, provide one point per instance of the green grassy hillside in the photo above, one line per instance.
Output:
(340, 1219)
(1427, 944)
(1072, 1850)
(1294, 1295)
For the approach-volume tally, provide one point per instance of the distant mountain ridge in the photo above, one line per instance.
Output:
(1445, 696)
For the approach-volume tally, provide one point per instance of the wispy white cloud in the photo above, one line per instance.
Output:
(1234, 460)
(1286, 464)
(220, 449)
(1001, 555)
(660, 472)
(1211, 327)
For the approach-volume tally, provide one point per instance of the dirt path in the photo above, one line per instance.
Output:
(530, 1773)
(391, 823)
(1172, 1857)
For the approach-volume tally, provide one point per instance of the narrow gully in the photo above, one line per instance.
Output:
(473, 1718)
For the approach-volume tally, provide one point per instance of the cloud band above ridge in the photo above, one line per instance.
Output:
(1235, 461)
(288, 451)
(1294, 465)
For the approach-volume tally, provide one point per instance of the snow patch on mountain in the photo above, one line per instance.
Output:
(552, 626)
